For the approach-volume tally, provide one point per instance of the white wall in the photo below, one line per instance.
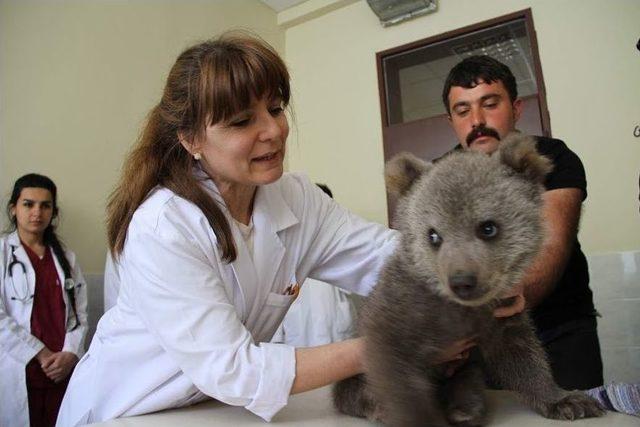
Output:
(76, 81)
(590, 66)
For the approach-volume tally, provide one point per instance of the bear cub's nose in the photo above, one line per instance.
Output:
(464, 285)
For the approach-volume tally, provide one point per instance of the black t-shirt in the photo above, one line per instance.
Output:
(571, 297)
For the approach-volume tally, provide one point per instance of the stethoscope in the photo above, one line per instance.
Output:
(15, 262)
(69, 285)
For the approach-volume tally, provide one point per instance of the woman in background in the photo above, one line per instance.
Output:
(43, 302)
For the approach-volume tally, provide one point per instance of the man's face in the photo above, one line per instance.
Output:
(482, 115)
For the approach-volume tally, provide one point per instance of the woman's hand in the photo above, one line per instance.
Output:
(59, 365)
(327, 364)
(43, 355)
(516, 304)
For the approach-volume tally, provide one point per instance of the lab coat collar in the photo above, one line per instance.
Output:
(271, 214)
(208, 184)
(21, 255)
(13, 239)
(268, 202)
(256, 275)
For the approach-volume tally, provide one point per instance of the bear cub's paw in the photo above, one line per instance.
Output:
(470, 413)
(574, 406)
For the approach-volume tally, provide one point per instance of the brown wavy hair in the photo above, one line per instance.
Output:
(208, 84)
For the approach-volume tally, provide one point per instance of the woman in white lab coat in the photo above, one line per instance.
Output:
(43, 301)
(211, 241)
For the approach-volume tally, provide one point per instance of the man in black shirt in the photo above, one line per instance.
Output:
(481, 98)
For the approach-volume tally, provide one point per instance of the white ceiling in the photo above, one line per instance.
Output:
(280, 5)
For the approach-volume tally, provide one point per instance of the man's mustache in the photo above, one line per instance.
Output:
(482, 130)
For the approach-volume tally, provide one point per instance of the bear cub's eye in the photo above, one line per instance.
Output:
(487, 230)
(434, 238)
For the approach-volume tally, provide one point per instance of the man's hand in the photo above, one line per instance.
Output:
(59, 365)
(459, 350)
(456, 355)
(516, 302)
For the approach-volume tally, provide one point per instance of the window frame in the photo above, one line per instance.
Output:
(525, 14)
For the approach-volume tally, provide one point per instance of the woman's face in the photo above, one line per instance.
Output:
(247, 150)
(33, 211)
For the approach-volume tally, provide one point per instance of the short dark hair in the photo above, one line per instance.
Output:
(471, 71)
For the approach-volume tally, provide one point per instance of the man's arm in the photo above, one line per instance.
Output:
(561, 216)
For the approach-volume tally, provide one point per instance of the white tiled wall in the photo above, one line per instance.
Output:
(615, 281)
(95, 286)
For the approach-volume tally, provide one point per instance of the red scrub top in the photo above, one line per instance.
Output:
(48, 312)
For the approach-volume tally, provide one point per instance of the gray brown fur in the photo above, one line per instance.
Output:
(413, 313)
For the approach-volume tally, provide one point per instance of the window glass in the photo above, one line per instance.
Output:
(414, 79)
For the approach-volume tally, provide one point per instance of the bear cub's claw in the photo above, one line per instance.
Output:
(574, 406)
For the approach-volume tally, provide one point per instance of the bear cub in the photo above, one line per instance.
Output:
(470, 226)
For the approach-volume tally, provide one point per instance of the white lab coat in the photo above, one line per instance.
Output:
(321, 314)
(17, 345)
(111, 283)
(187, 325)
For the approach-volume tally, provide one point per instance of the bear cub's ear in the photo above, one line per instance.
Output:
(402, 171)
(518, 151)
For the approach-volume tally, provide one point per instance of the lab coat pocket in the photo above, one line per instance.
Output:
(278, 300)
(274, 310)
